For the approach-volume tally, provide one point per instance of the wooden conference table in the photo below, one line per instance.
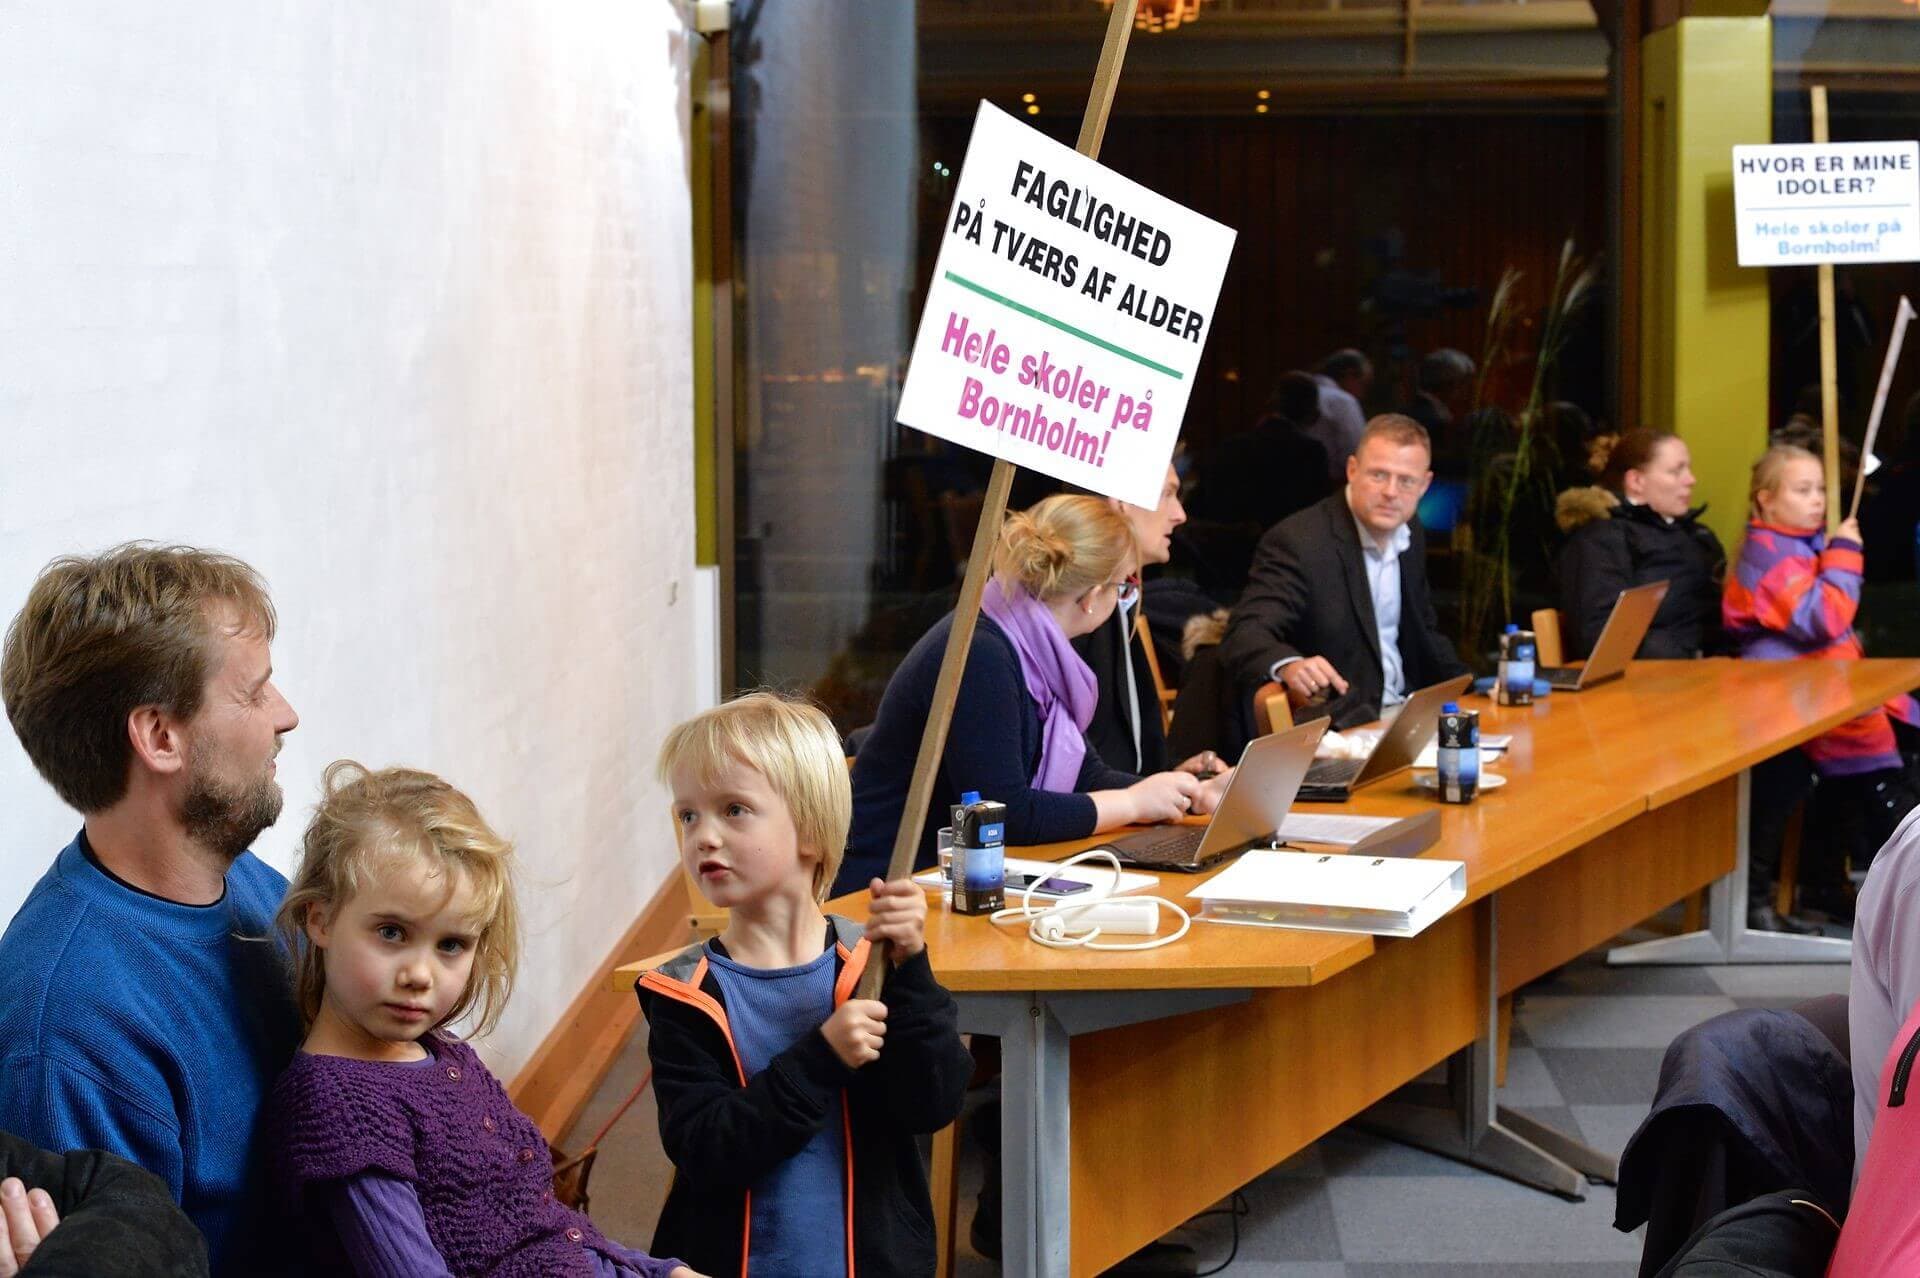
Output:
(1142, 1087)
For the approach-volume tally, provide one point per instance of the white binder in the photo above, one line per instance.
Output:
(1332, 892)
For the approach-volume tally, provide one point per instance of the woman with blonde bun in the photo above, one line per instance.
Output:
(1025, 699)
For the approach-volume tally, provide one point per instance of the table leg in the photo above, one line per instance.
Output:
(1036, 1033)
(1466, 1122)
(1035, 1127)
(1727, 938)
(1035, 1194)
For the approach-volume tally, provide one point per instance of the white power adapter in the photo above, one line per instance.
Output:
(1121, 916)
(1078, 924)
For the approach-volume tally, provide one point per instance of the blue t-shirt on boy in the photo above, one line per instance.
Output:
(770, 1010)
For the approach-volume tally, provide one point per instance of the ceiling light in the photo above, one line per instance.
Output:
(1155, 16)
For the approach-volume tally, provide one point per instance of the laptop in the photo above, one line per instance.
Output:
(1619, 640)
(1258, 795)
(1335, 780)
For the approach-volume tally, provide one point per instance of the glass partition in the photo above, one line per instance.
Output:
(1867, 55)
(1403, 177)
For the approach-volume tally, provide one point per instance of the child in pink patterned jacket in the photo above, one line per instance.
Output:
(1793, 593)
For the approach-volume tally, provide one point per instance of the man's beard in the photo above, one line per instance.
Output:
(224, 819)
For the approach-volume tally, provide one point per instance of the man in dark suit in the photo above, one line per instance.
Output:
(1336, 605)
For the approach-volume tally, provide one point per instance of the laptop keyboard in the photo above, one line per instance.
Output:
(1174, 845)
(1333, 772)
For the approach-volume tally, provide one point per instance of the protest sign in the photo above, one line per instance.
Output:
(1826, 202)
(1067, 313)
(993, 509)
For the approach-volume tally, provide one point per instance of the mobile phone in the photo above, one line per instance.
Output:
(1056, 887)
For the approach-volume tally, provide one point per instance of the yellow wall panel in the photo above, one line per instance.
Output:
(1707, 86)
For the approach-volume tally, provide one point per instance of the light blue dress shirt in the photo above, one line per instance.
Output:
(1382, 563)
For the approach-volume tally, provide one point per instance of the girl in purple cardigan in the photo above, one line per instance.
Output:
(394, 1153)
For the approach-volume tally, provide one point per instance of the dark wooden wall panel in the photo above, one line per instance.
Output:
(1470, 194)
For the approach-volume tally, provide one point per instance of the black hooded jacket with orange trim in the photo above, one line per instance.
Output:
(725, 1132)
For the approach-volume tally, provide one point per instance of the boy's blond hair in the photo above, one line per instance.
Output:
(368, 821)
(792, 744)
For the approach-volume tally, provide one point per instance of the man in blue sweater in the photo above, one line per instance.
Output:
(147, 1010)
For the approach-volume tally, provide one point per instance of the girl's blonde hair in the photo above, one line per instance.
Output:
(369, 821)
(793, 745)
(1771, 469)
(1062, 547)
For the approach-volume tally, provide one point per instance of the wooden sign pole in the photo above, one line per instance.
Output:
(1892, 361)
(1829, 385)
(933, 740)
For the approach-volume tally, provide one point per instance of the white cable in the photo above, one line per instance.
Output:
(1051, 926)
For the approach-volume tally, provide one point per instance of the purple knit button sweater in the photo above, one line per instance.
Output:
(480, 1167)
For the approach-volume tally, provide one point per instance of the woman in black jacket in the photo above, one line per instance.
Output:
(1649, 534)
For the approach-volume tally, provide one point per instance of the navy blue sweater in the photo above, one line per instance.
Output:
(993, 747)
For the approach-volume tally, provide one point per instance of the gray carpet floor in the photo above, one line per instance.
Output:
(1586, 1052)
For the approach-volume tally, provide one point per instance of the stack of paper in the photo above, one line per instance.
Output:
(1336, 831)
(1358, 743)
(1387, 896)
(1354, 743)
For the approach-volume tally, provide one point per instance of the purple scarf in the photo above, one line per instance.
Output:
(1058, 680)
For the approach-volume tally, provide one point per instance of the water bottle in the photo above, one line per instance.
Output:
(1459, 754)
(979, 855)
(1514, 684)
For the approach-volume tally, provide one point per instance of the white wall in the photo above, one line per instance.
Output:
(393, 301)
